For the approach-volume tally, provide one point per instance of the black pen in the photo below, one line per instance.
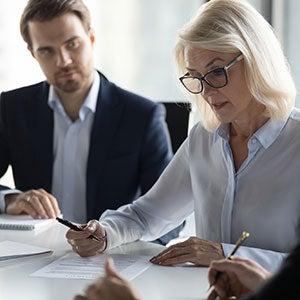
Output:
(77, 228)
(239, 242)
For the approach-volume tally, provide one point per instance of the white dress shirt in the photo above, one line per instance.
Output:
(262, 197)
(70, 153)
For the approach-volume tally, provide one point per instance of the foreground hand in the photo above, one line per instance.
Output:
(110, 287)
(36, 203)
(239, 276)
(194, 250)
(80, 242)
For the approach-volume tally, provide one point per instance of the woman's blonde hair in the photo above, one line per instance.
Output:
(232, 26)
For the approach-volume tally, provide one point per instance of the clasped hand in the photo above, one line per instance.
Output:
(36, 203)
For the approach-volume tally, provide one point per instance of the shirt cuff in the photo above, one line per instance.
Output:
(270, 260)
(2, 198)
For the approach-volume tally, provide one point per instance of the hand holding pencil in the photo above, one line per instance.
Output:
(237, 277)
(239, 242)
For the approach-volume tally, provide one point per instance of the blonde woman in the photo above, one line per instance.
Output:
(239, 168)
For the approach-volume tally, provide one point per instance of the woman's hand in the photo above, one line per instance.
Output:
(111, 287)
(237, 278)
(194, 250)
(82, 244)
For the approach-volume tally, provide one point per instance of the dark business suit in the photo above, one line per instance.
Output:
(129, 145)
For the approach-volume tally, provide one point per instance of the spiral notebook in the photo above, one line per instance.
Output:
(22, 222)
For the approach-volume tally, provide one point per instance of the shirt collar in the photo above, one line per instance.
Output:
(90, 101)
(266, 135)
(222, 132)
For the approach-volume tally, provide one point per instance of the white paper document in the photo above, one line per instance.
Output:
(72, 266)
(9, 250)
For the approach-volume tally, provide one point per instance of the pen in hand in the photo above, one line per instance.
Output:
(77, 228)
(239, 242)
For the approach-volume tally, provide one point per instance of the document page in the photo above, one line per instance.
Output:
(72, 266)
(10, 250)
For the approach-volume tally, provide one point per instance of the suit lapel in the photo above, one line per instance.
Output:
(43, 138)
(107, 117)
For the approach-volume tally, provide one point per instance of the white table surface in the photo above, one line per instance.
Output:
(155, 283)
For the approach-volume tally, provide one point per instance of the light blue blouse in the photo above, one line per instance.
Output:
(262, 197)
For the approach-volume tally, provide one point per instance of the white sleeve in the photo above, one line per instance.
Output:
(163, 208)
(270, 260)
(2, 196)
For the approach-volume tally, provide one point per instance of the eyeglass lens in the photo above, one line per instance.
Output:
(216, 78)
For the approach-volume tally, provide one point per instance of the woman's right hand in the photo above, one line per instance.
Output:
(82, 244)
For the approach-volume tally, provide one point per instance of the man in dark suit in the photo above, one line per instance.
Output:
(77, 143)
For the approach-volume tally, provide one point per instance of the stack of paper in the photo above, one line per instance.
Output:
(9, 250)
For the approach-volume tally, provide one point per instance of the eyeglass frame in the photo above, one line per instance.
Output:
(202, 78)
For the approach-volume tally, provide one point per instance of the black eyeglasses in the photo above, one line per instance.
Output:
(215, 78)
